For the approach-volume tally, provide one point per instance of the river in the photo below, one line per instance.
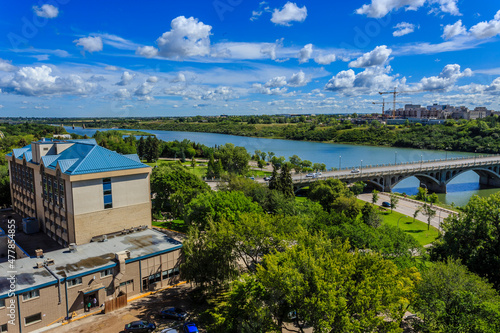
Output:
(460, 190)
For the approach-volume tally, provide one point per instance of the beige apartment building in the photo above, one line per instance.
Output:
(90, 239)
(78, 190)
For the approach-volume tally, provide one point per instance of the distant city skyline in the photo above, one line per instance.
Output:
(64, 58)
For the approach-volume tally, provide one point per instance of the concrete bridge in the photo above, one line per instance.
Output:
(435, 175)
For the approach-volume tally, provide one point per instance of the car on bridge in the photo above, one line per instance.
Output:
(355, 171)
(311, 175)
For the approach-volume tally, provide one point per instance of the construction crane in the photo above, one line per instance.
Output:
(395, 93)
(383, 105)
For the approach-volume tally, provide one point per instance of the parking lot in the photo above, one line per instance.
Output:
(146, 308)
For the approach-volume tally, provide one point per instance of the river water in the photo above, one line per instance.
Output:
(460, 190)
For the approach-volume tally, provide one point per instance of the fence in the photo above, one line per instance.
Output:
(115, 303)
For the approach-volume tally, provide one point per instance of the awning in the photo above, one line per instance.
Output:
(91, 289)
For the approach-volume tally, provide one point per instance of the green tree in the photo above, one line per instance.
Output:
(209, 257)
(357, 188)
(394, 200)
(274, 183)
(5, 200)
(474, 237)
(370, 215)
(452, 299)
(141, 145)
(326, 286)
(193, 162)
(429, 213)
(286, 182)
(327, 191)
(173, 187)
(218, 205)
(234, 159)
(261, 164)
(375, 196)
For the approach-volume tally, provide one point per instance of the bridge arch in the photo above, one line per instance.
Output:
(487, 176)
(422, 177)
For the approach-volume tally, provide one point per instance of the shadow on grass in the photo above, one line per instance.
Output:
(176, 225)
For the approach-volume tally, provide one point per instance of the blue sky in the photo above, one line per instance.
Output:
(160, 58)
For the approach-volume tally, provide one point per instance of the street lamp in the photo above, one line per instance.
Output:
(475, 151)
(361, 166)
(340, 162)
(421, 161)
(395, 158)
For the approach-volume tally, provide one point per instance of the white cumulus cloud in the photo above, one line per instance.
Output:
(299, 80)
(289, 13)
(446, 79)
(187, 38)
(452, 30)
(325, 59)
(46, 11)
(380, 8)
(487, 29)
(90, 44)
(305, 53)
(6, 66)
(376, 57)
(403, 28)
(125, 79)
(147, 51)
(369, 81)
(39, 81)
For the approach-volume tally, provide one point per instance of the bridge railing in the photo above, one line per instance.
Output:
(420, 167)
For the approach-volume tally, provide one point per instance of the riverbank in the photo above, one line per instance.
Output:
(462, 136)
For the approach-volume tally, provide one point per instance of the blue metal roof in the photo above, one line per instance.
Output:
(83, 157)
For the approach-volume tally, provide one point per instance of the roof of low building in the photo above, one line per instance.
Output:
(81, 157)
(88, 259)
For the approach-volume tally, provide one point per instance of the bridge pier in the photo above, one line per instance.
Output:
(433, 187)
(487, 180)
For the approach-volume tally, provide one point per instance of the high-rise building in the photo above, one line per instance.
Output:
(78, 190)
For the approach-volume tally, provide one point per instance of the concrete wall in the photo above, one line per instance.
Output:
(126, 190)
(110, 220)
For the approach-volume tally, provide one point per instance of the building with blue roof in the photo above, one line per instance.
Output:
(79, 190)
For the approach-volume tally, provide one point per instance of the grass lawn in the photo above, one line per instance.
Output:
(177, 225)
(417, 229)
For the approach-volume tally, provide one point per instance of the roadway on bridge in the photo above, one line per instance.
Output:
(405, 168)
(408, 208)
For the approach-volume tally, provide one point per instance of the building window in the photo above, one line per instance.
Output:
(126, 283)
(107, 272)
(31, 294)
(32, 319)
(108, 198)
(2, 303)
(3, 328)
(74, 282)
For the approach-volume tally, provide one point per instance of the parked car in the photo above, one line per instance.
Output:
(173, 313)
(140, 326)
(268, 178)
(386, 204)
(355, 171)
(190, 328)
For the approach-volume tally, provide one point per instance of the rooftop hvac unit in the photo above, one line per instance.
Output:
(30, 225)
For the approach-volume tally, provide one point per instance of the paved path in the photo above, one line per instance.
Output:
(408, 208)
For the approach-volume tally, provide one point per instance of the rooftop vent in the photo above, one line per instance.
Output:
(49, 262)
(39, 264)
(73, 248)
(39, 253)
